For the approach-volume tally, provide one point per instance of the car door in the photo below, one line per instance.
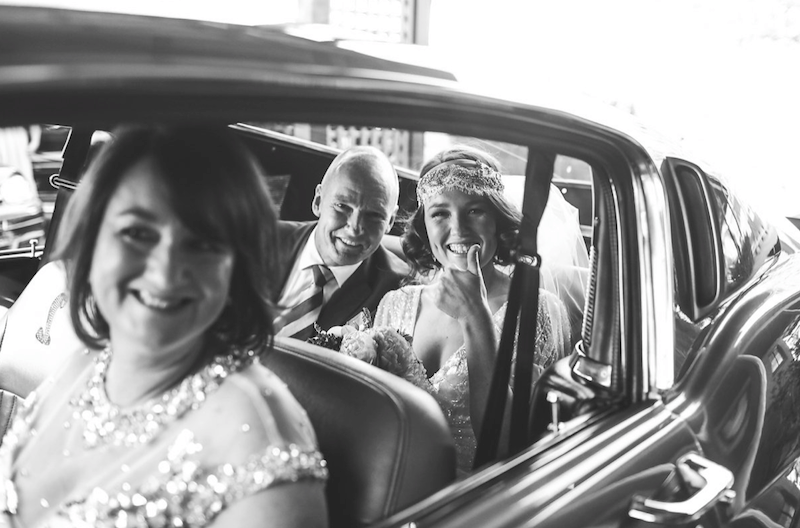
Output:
(627, 442)
(640, 448)
(734, 318)
(737, 316)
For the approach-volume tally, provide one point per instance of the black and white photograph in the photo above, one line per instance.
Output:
(400, 264)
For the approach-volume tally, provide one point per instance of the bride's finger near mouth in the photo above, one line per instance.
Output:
(474, 260)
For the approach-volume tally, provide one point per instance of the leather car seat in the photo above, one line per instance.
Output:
(387, 443)
(8, 408)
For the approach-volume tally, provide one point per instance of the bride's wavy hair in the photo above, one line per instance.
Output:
(416, 243)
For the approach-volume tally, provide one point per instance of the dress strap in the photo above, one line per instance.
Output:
(398, 309)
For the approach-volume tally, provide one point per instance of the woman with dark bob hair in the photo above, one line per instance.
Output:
(463, 230)
(212, 191)
(165, 417)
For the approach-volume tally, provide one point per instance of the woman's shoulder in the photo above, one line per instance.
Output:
(246, 436)
(398, 306)
(550, 307)
(403, 295)
(253, 409)
(406, 291)
(551, 303)
(62, 382)
(547, 297)
(75, 362)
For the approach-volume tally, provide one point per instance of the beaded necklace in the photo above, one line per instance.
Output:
(105, 423)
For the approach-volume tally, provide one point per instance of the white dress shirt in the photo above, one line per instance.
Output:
(302, 277)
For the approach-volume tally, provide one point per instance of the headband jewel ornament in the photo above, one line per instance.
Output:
(465, 175)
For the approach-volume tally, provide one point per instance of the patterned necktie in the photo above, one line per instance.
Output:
(298, 321)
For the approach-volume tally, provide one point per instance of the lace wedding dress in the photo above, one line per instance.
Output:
(450, 384)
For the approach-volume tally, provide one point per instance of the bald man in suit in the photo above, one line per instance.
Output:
(356, 205)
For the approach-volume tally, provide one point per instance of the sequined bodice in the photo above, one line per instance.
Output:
(450, 384)
(168, 479)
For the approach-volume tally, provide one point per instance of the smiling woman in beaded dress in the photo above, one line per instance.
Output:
(462, 231)
(165, 418)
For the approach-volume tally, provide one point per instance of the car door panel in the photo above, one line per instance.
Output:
(770, 490)
(604, 498)
(748, 419)
(728, 416)
(741, 350)
(775, 505)
(563, 483)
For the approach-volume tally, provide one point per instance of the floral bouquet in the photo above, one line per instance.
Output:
(381, 346)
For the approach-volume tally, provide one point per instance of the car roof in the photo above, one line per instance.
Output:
(82, 64)
(50, 37)
(60, 53)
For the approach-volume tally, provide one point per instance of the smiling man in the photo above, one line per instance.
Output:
(335, 266)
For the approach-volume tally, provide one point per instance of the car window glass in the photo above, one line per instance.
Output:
(565, 231)
(29, 155)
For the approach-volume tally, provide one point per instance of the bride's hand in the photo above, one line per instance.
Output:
(461, 294)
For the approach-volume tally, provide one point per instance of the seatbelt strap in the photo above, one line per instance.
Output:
(75, 153)
(538, 176)
(523, 306)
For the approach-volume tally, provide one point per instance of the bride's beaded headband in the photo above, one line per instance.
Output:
(465, 175)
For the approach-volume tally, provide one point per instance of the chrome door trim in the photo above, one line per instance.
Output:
(654, 241)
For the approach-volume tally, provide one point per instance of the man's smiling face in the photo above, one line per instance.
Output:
(356, 204)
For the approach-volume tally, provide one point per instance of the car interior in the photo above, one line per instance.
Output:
(387, 444)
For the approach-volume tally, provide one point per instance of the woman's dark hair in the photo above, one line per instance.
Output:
(416, 244)
(217, 191)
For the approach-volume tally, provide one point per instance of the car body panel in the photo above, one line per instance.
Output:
(560, 489)
(748, 421)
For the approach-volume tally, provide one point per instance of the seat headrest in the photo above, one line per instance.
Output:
(386, 441)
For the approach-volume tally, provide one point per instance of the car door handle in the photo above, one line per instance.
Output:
(716, 487)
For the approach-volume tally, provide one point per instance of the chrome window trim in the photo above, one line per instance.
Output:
(623, 345)
(657, 300)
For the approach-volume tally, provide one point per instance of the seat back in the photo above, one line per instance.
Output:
(8, 407)
(386, 442)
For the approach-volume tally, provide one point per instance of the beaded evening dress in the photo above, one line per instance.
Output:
(179, 459)
(450, 384)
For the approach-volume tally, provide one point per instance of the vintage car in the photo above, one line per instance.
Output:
(677, 407)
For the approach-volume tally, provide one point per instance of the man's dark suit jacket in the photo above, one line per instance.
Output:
(381, 272)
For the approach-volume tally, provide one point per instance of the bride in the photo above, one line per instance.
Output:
(460, 237)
